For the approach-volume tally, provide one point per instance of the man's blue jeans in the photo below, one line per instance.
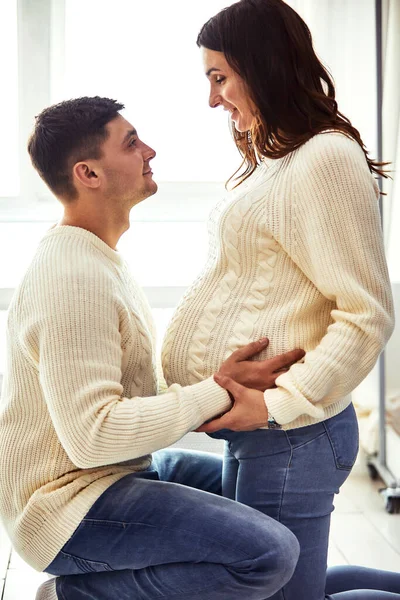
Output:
(292, 476)
(359, 583)
(153, 535)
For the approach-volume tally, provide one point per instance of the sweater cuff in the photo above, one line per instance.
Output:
(211, 399)
(286, 404)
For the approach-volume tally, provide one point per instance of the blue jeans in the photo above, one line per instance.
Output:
(365, 584)
(167, 534)
(292, 476)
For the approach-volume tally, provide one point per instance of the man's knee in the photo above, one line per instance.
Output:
(276, 554)
(284, 556)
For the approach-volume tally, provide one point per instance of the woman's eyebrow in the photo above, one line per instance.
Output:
(211, 70)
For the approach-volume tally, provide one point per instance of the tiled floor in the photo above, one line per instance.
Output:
(362, 533)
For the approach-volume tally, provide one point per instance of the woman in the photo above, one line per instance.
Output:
(296, 254)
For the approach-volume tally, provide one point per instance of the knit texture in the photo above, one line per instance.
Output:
(47, 591)
(79, 408)
(296, 254)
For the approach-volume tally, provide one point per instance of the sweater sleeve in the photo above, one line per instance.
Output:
(80, 368)
(329, 224)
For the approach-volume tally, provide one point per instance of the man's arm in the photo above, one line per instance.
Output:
(79, 362)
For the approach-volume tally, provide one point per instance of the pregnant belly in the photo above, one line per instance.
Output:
(200, 338)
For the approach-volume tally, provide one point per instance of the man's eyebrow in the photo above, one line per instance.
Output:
(211, 70)
(130, 133)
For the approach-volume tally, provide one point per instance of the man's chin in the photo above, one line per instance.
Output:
(155, 187)
(150, 190)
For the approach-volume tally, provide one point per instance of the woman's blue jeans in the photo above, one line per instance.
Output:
(292, 476)
(167, 534)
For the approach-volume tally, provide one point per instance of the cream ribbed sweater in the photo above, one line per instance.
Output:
(296, 255)
(78, 408)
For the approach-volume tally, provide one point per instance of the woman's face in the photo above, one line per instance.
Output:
(227, 89)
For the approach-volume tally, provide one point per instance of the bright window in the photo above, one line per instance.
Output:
(151, 250)
(9, 185)
(144, 54)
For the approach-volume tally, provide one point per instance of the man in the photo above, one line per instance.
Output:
(79, 495)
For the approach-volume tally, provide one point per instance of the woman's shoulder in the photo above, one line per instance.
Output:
(328, 153)
(330, 145)
(332, 161)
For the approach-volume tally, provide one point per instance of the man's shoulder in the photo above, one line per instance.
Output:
(69, 257)
(61, 274)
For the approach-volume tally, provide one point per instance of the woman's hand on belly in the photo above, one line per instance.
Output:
(258, 375)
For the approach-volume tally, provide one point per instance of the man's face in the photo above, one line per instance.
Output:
(125, 169)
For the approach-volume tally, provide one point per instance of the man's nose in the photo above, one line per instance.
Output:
(149, 153)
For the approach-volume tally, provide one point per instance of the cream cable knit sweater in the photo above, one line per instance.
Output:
(296, 255)
(79, 408)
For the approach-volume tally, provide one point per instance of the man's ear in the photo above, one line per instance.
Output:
(86, 175)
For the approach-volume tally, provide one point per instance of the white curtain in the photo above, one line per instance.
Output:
(391, 206)
(366, 396)
(391, 129)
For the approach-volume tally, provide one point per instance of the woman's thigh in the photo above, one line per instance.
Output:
(229, 474)
(199, 470)
(292, 477)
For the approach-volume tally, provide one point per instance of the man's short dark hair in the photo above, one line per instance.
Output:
(67, 133)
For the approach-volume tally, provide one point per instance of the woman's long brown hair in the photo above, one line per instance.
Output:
(270, 46)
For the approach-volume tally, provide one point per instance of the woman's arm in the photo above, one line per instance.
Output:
(331, 229)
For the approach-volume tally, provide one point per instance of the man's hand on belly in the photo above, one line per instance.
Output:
(258, 375)
(249, 411)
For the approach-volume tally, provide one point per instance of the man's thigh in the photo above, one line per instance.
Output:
(139, 522)
(145, 538)
(199, 470)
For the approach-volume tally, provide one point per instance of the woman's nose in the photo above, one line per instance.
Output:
(214, 100)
